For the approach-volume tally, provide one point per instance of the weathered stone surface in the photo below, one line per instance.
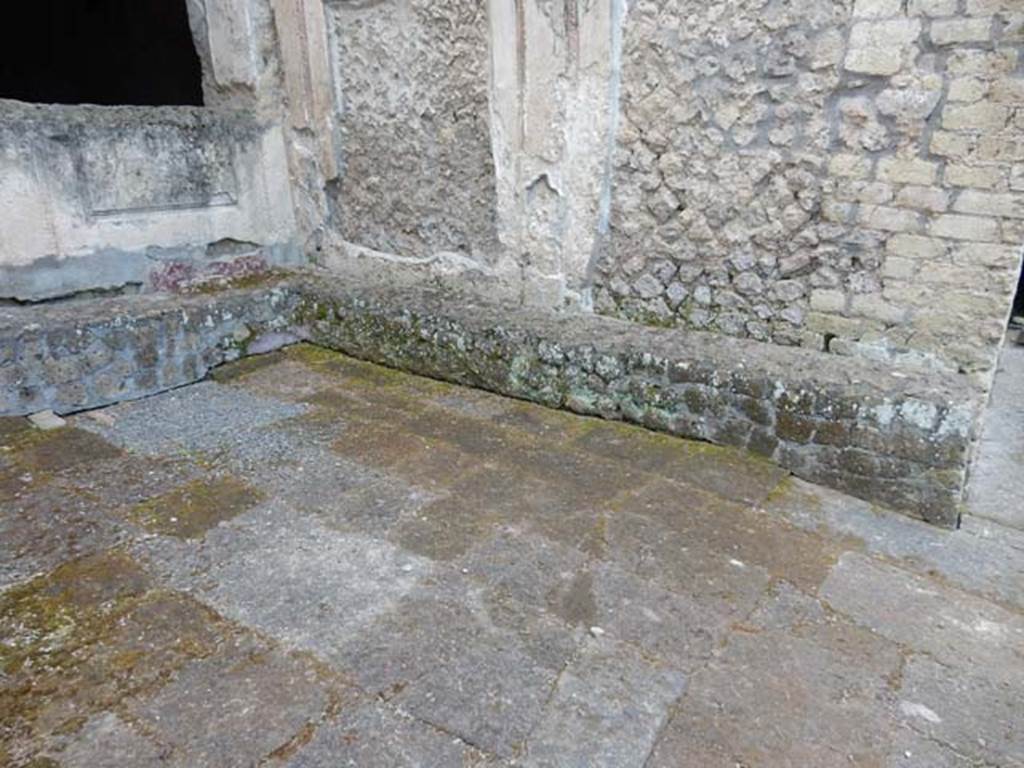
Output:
(996, 474)
(84, 355)
(209, 710)
(868, 430)
(607, 710)
(748, 539)
(574, 608)
(983, 562)
(374, 736)
(189, 511)
(956, 628)
(126, 479)
(418, 174)
(363, 577)
(674, 628)
(106, 741)
(216, 419)
(43, 526)
(83, 638)
(138, 198)
(814, 696)
(470, 662)
(748, 478)
(763, 157)
(977, 715)
(58, 451)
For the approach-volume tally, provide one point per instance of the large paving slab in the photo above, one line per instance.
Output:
(997, 478)
(314, 561)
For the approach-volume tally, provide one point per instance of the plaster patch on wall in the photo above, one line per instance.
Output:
(158, 167)
(417, 171)
(98, 190)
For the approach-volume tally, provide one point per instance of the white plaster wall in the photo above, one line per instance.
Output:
(88, 183)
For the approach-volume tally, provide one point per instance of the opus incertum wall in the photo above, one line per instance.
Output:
(846, 175)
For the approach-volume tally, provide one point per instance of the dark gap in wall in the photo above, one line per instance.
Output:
(109, 52)
(1015, 333)
(1017, 316)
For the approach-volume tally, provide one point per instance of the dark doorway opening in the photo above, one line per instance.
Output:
(1017, 314)
(99, 52)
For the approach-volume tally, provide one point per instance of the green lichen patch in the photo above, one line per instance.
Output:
(546, 423)
(239, 369)
(128, 480)
(730, 472)
(356, 373)
(88, 659)
(339, 402)
(44, 621)
(219, 284)
(60, 449)
(311, 355)
(191, 510)
(11, 427)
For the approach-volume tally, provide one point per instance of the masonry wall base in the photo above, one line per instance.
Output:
(900, 438)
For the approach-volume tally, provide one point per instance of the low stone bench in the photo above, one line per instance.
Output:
(898, 438)
(82, 354)
(902, 438)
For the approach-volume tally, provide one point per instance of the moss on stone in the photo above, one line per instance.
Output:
(85, 636)
(39, 451)
(192, 509)
(224, 283)
(11, 427)
(46, 619)
(239, 369)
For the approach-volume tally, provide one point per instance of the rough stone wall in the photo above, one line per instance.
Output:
(838, 174)
(88, 354)
(417, 173)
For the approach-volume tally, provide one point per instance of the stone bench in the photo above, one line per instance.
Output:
(76, 355)
(902, 438)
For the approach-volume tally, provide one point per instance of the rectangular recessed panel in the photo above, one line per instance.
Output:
(158, 167)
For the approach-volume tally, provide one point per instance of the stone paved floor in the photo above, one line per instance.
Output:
(316, 562)
(997, 481)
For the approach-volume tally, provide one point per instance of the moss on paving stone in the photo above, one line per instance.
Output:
(15, 481)
(47, 627)
(56, 450)
(189, 511)
(12, 426)
(245, 366)
(543, 422)
(529, 532)
(769, 404)
(355, 371)
(82, 638)
(48, 617)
